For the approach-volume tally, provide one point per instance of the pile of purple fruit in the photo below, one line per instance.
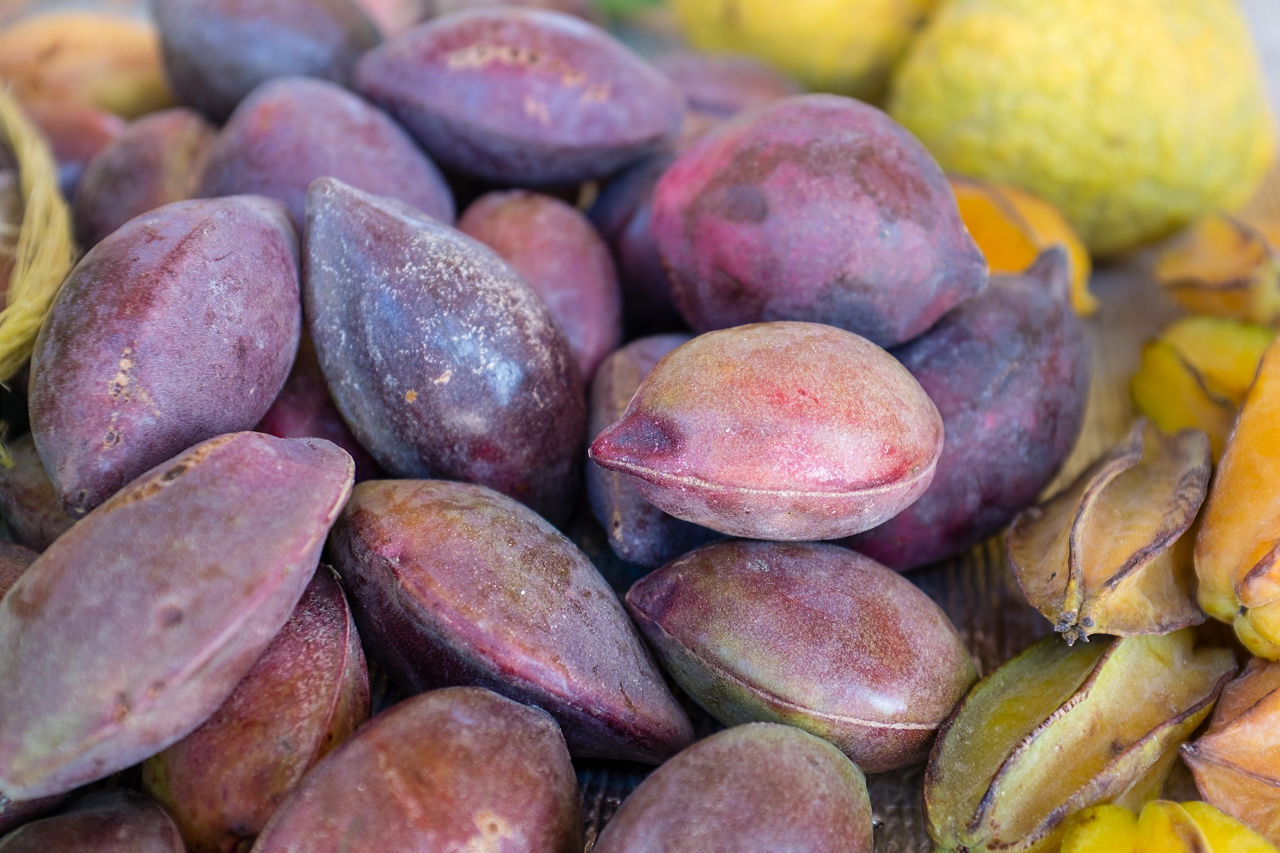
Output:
(376, 341)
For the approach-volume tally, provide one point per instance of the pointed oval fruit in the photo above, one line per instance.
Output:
(1060, 728)
(136, 624)
(522, 96)
(305, 695)
(808, 634)
(816, 208)
(179, 326)
(28, 501)
(111, 821)
(1107, 555)
(777, 431)
(453, 583)
(441, 359)
(454, 769)
(760, 786)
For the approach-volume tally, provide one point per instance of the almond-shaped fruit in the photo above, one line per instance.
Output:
(783, 430)
(179, 326)
(441, 359)
(453, 583)
(109, 821)
(522, 96)
(812, 635)
(135, 625)
(304, 696)
(457, 769)
(761, 786)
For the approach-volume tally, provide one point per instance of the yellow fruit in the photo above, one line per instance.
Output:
(843, 46)
(1133, 119)
(1163, 827)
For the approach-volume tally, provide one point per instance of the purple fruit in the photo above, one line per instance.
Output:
(179, 326)
(292, 130)
(155, 160)
(1009, 371)
(755, 787)
(453, 583)
(28, 500)
(522, 96)
(443, 362)
(811, 635)
(218, 51)
(777, 431)
(116, 821)
(196, 565)
(636, 530)
(556, 250)
(304, 696)
(305, 409)
(816, 208)
(725, 84)
(458, 769)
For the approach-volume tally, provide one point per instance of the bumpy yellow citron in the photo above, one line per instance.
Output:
(1134, 119)
(842, 46)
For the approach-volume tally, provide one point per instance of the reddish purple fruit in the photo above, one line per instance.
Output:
(725, 84)
(556, 250)
(817, 208)
(304, 696)
(1009, 371)
(457, 769)
(753, 787)
(28, 501)
(812, 635)
(179, 326)
(522, 96)
(218, 51)
(155, 160)
(196, 565)
(453, 583)
(114, 821)
(443, 362)
(777, 431)
(292, 130)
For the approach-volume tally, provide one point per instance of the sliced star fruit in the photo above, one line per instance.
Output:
(1227, 266)
(1059, 728)
(1108, 554)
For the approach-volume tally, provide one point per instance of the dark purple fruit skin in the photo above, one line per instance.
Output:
(725, 84)
(453, 583)
(623, 215)
(292, 130)
(584, 9)
(811, 635)
(304, 408)
(76, 134)
(522, 96)
(217, 51)
(443, 362)
(115, 821)
(454, 769)
(196, 566)
(155, 160)
(636, 530)
(1009, 371)
(28, 501)
(179, 326)
(306, 694)
(557, 251)
(760, 786)
(14, 560)
(817, 208)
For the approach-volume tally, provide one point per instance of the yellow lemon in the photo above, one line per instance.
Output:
(1133, 118)
(843, 46)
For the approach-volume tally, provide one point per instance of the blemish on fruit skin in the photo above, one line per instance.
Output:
(410, 396)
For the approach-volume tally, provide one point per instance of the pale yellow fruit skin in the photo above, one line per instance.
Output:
(1133, 118)
(842, 46)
